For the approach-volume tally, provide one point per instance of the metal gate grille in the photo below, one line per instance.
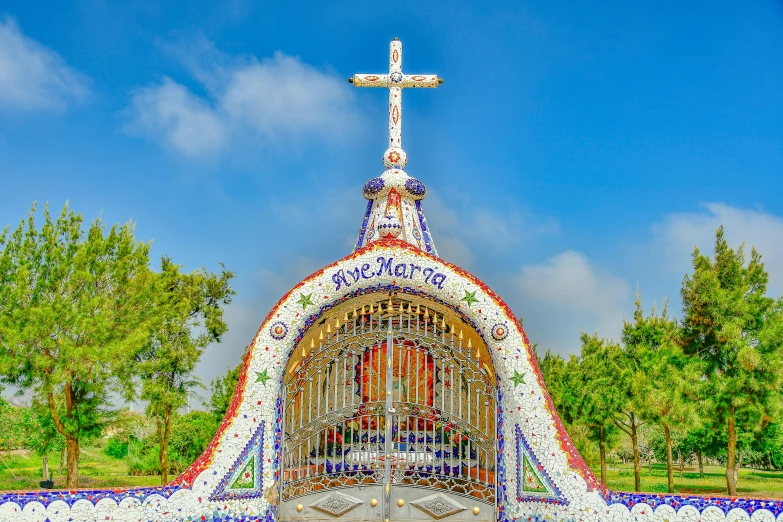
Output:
(390, 395)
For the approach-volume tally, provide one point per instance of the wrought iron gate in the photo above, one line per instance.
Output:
(389, 402)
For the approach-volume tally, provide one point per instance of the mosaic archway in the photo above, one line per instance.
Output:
(532, 440)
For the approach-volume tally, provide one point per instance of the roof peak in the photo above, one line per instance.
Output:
(394, 209)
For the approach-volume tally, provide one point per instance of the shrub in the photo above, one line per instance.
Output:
(116, 449)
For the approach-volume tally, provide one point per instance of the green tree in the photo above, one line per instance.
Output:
(40, 433)
(626, 364)
(598, 402)
(222, 391)
(73, 309)
(736, 330)
(188, 317)
(769, 444)
(665, 379)
(191, 435)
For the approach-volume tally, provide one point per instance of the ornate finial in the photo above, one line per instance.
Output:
(395, 198)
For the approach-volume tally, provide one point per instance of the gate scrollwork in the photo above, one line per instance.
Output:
(390, 396)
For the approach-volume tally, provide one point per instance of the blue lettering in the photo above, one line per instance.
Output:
(365, 268)
(403, 272)
(354, 274)
(426, 275)
(438, 280)
(413, 270)
(384, 265)
(339, 279)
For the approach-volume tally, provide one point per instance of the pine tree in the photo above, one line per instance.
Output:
(736, 330)
(666, 380)
(188, 314)
(599, 400)
(74, 308)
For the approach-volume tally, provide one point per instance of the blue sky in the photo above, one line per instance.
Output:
(575, 151)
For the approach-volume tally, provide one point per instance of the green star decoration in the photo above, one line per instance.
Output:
(263, 377)
(470, 297)
(304, 300)
(518, 378)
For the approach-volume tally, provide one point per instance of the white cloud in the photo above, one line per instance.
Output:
(282, 95)
(33, 76)
(461, 228)
(678, 234)
(275, 101)
(567, 294)
(179, 119)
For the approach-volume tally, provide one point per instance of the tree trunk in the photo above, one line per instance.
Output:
(63, 459)
(637, 469)
(45, 460)
(602, 451)
(701, 463)
(72, 476)
(679, 454)
(164, 427)
(731, 470)
(71, 442)
(669, 470)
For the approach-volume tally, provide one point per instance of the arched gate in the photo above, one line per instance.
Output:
(390, 414)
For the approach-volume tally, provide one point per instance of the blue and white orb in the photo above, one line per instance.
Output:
(389, 226)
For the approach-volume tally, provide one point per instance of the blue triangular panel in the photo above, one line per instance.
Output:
(245, 477)
(532, 480)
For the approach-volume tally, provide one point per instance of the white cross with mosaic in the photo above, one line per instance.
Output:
(395, 81)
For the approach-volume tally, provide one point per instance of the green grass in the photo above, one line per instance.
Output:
(752, 482)
(96, 470)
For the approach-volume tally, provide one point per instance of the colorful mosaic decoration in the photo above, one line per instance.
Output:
(532, 479)
(395, 198)
(245, 476)
(540, 474)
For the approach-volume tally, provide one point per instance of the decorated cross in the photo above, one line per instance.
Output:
(395, 81)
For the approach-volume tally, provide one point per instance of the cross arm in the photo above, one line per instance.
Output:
(369, 80)
(420, 80)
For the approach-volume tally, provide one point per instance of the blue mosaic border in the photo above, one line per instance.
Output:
(424, 230)
(271, 512)
(502, 497)
(70, 497)
(363, 228)
(725, 504)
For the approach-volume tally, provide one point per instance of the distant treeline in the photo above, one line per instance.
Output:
(708, 386)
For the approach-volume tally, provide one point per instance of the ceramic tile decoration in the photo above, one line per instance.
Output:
(539, 473)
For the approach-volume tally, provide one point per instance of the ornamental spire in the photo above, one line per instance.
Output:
(394, 207)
